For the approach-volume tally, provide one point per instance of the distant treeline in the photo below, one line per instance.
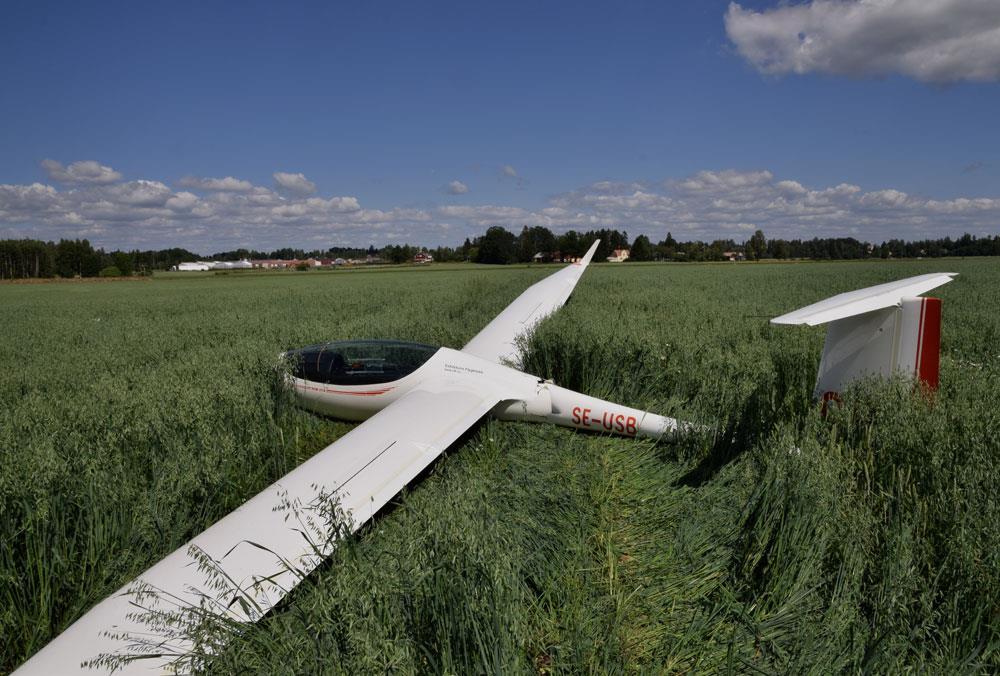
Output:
(499, 245)
(21, 258)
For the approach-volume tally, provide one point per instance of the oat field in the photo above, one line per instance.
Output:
(134, 415)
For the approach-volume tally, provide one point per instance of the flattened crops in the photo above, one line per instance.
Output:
(132, 416)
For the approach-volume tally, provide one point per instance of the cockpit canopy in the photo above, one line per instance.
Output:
(358, 362)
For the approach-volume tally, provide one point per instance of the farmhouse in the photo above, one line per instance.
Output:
(618, 256)
(273, 263)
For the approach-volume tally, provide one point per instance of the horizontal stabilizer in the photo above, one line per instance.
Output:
(864, 300)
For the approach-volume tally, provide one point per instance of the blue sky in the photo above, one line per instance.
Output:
(425, 122)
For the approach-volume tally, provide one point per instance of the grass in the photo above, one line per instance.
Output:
(135, 415)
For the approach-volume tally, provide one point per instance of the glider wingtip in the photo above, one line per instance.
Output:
(590, 252)
(787, 320)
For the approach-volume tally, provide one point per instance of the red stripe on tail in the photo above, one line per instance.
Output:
(929, 351)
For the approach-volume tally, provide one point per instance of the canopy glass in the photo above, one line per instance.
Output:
(359, 362)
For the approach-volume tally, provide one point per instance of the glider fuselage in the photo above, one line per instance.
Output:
(354, 380)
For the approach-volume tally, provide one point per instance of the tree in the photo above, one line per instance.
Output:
(123, 262)
(497, 246)
(642, 249)
(757, 246)
(76, 257)
(26, 258)
(569, 243)
(534, 240)
(397, 254)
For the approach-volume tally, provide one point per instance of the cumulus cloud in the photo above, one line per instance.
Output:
(182, 201)
(725, 180)
(227, 184)
(456, 188)
(139, 193)
(706, 205)
(296, 184)
(930, 40)
(148, 213)
(509, 174)
(486, 214)
(87, 171)
(714, 204)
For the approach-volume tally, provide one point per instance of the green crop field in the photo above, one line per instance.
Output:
(134, 415)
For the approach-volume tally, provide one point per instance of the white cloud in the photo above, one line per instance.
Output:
(929, 40)
(456, 188)
(791, 187)
(509, 174)
(87, 171)
(297, 184)
(140, 193)
(725, 180)
(889, 199)
(227, 184)
(706, 205)
(182, 201)
(486, 214)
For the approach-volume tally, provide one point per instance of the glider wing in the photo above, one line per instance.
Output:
(262, 548)
(497, 342)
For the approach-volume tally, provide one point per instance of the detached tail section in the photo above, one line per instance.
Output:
(881, 330)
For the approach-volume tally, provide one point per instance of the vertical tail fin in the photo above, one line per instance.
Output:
(882, 330)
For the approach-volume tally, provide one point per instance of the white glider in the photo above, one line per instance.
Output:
(416, 400)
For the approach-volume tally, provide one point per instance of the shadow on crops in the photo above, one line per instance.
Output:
(754, 419)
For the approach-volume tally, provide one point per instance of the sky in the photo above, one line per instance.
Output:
(213, 126)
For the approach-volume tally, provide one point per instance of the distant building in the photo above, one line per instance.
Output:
(232, 265)
(195, 266)
(203, 266)
(733, 256)
(618, 256)
(339, 261)
(423, 257)
(273, 263)
(554, 257)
